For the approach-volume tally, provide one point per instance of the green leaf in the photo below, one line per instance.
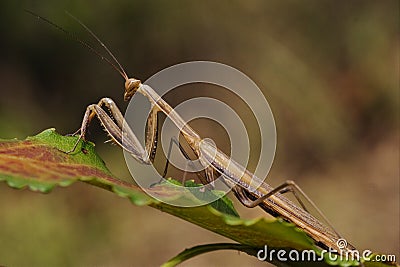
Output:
(40, 163)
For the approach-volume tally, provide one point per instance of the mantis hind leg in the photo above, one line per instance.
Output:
(250, 201)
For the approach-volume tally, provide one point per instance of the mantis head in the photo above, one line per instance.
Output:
(131, 86)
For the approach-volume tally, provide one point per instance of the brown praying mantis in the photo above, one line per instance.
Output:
(213, 160)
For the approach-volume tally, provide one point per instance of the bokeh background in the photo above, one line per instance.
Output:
(329, 69)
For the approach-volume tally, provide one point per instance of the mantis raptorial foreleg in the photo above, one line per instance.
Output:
(125, 138)
(113, 126)
(151, 132)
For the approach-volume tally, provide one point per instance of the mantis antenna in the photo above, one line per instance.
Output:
(118, 67)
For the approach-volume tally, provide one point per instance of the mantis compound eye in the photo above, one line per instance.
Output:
(131, 86)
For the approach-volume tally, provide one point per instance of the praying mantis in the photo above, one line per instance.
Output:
(213, 160)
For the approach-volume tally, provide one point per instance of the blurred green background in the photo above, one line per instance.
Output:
(329, 69)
